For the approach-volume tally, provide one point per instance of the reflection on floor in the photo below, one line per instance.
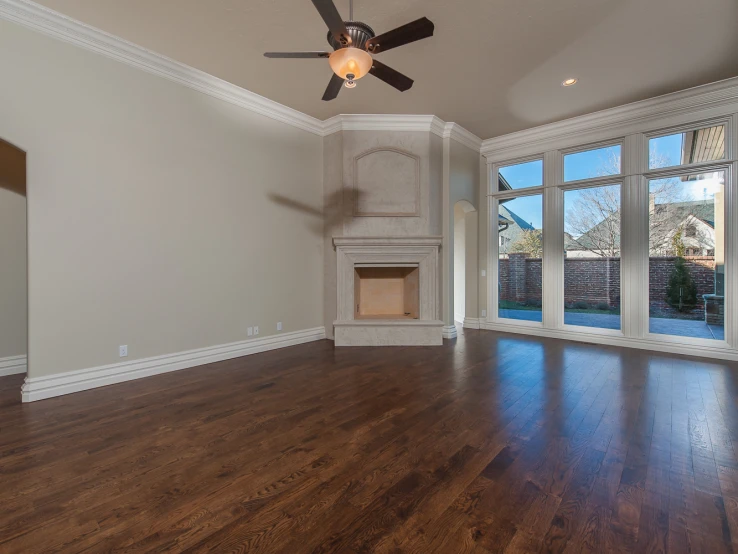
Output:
(661, 326)
(490, 443)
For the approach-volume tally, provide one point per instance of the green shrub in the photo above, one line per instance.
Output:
(681, 291)
(581, 305)
(602, 306)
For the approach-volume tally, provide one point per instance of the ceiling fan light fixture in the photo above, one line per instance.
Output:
(346, 61)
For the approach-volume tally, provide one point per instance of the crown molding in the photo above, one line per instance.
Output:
(402, 122)
(384, 122)
(456, 132)
(56, 25)
(620, 120)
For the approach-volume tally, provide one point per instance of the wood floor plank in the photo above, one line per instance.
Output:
(491, 443)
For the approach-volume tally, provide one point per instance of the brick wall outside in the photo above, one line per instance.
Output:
(595, 280)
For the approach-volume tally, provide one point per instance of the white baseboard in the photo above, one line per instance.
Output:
(449, 332)
(13, 365)
(40, 388)
(685, 348)
(471, 323)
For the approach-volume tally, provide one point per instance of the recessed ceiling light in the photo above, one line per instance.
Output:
(569, 82)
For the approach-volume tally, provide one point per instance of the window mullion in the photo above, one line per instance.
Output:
(553, 241)
(634, 239)
(731, 235)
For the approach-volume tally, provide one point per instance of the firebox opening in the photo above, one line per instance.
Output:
(386, 292)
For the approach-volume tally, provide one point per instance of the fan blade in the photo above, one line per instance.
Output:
(334, 87)
(390, 76)
(297, 54)
(328, 11)
(418, 29)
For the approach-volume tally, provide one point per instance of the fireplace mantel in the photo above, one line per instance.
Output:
(361, 252)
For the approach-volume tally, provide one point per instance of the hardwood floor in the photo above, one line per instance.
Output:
(491, 443)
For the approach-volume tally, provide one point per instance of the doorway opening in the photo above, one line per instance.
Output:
(465, 259)
(13, 261)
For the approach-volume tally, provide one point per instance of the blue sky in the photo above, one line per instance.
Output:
(666, 149)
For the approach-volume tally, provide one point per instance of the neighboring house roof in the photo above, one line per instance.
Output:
(696, 208)
(511, 227)
(515, 218)
(504, 185)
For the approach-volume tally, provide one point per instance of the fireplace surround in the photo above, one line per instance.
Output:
(388, 291)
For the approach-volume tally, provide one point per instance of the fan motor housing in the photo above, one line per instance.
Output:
(359, 33)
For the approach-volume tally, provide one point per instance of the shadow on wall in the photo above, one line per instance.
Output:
(324, 219)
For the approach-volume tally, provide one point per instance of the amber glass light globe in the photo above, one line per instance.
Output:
(350, 61)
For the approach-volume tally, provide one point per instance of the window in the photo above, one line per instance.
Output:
(687, 255)
(690, 147)
(520, 264)
(592, 257)
(589, 164)
(519, 176)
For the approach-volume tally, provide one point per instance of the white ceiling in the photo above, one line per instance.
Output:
(493, 66)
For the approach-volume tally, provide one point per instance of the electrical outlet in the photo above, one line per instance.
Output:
(279, 326)
(484, 273)
(484, 313)
(256, 330)
(123, 350)
(250, 331)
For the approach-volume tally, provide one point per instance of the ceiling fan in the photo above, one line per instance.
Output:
(353, 44)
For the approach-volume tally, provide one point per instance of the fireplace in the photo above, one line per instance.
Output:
(387, 291)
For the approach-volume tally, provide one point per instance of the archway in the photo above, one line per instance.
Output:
(13, 253)
(465, 260)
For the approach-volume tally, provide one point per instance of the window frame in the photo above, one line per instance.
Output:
(588, 184)
(620, 141)
(686, 128)
(518, 161)
(632, 126)
(691, 169)
(495, 205)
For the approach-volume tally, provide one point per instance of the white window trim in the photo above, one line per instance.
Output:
(586, 148)
(679, 171)
(611, 180)
(714, 105)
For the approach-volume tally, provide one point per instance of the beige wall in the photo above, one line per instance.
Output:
(150, 216)
(13, 296)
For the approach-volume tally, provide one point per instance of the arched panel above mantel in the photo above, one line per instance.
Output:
(386, 183)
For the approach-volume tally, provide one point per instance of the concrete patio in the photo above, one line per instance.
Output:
(661, 326)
